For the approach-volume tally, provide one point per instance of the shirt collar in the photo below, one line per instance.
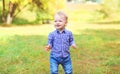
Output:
(64, 31)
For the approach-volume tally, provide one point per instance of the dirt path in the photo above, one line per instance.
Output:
(45, 29)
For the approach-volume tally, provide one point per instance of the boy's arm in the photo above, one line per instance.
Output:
(50, 42)
(72, 42)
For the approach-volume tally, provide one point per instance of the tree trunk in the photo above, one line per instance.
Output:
(3, 12)
(12, 8)
(9, 19)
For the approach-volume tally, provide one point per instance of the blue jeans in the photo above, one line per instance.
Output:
(56, 61)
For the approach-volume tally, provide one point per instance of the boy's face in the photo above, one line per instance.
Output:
(59, 22)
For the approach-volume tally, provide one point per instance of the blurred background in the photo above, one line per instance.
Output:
(21, 12)
(25, 25)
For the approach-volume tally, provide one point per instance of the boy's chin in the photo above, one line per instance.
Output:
(58, 28)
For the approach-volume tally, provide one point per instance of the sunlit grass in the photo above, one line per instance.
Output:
(98, 53)
(23, 54)
(26, 30)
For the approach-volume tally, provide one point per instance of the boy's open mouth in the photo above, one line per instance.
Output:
(57, 25)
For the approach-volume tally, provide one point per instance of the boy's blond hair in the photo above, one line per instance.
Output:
(62, 14)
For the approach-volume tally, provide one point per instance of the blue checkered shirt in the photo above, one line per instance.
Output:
(60, 42)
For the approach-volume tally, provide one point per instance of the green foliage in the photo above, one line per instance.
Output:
(40, 9)
(107, 13)
(110, 8)
(54, 5)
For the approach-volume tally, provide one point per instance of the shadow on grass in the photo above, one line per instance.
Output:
(21, 21)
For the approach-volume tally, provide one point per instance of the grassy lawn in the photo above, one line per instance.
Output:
(98, 53)
(22, 47)
(23, 53)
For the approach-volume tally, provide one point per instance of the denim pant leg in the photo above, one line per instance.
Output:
(53, 65)
(67, 65)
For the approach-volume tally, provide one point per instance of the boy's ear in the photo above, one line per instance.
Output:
(66, 22)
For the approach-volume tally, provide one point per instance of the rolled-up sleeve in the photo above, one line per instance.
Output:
(50, 40)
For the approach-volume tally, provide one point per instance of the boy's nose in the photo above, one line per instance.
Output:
(57, 23)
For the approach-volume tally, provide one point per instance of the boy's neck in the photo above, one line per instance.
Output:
(61, 30)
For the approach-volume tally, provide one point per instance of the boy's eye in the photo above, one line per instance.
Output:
(58, 21)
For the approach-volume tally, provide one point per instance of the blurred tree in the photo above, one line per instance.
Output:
(10, 12)
(13, 7)
(49, 7)
(55, 5)
(110, 7)
(3, 12)
(98, 1)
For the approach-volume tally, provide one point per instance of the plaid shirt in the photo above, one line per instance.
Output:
(60, 42)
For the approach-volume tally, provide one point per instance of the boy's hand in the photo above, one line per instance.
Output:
(74, 46)
(47, 48)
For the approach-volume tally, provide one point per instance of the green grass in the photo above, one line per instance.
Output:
(98, 53)
(22, 55)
